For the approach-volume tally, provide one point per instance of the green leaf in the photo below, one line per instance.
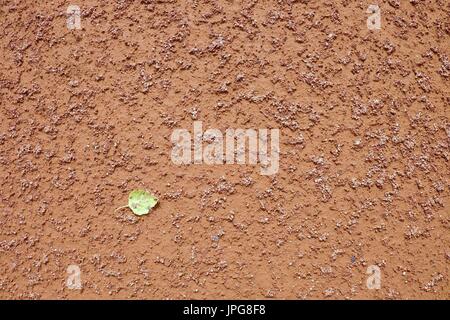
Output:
(140, 202)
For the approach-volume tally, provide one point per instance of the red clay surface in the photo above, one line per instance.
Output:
(86, 117)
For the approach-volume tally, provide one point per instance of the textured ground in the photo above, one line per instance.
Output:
(86, 116)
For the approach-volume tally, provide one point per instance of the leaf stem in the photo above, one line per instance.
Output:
(122, 207)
